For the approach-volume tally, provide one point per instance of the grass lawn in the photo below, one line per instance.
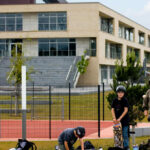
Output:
(83, 107)
(49, 145)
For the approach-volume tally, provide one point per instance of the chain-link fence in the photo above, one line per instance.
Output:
(51, 110)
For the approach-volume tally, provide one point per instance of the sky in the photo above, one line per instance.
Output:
(137, 10)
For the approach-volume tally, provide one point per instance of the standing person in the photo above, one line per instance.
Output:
(69, 136)
(120, 113)
(146, 103)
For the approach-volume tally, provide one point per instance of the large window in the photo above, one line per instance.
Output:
(52, 21)
(113, 51)
(135, 50)
(107, 73)
(57, 47)
(10, 22)
(92, 47)
(104, 73)
(142, 38)
(126, 32)
(147, 56)
(107, 25)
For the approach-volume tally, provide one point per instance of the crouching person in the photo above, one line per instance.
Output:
(69, 136)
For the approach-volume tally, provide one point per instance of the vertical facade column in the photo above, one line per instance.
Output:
(136, 35)
(116, 27)
(142, 55)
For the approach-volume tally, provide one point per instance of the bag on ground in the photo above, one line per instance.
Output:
(145, 146)
(87, 146)
(25, 145)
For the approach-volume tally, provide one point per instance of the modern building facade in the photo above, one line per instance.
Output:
(67, 30)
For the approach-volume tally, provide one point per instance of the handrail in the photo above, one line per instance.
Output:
(10, 73)
(75, 74)
(70, 68)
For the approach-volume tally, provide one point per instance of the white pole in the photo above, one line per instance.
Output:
(24, 102)
(23, 87)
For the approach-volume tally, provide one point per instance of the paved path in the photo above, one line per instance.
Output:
(108, 132)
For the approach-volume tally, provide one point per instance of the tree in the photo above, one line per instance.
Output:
(129, 76)
(82, 64)
(14, 75)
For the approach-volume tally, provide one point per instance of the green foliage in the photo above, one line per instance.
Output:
(128, 76)
(16, 62)
(82, 64)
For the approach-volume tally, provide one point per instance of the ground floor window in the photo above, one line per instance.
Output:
(107, 73)
(147, 56)
(57, 47)
(10, 47)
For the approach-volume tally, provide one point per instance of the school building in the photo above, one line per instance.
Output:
(55, 36)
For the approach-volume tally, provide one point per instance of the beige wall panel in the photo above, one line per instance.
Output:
(90, 78)
(30, 47)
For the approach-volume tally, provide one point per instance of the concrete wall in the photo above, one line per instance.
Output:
(30, 47)
(82, 44)
(30, 22)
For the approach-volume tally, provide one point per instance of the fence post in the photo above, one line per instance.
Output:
(99, 111)
(69, 101)
(24, 102)
(103, 101)
(11, 106)
(50, 112)
(32, 103)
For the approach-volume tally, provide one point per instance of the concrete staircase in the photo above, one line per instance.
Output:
(48, 71)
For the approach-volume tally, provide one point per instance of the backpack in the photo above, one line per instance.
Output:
(145, 146)
(25, 145)
(87, 146)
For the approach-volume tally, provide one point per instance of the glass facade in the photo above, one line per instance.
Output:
(52, 21)
(10, 47)
(126, 33)
(4, 48)
(10, 22)
(113, 51)
(147, 56)
(141, 38)
(136, 51)
(107, 25)
(57, 47)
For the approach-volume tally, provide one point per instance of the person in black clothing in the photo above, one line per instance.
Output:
(120, 113)
(69, 136)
